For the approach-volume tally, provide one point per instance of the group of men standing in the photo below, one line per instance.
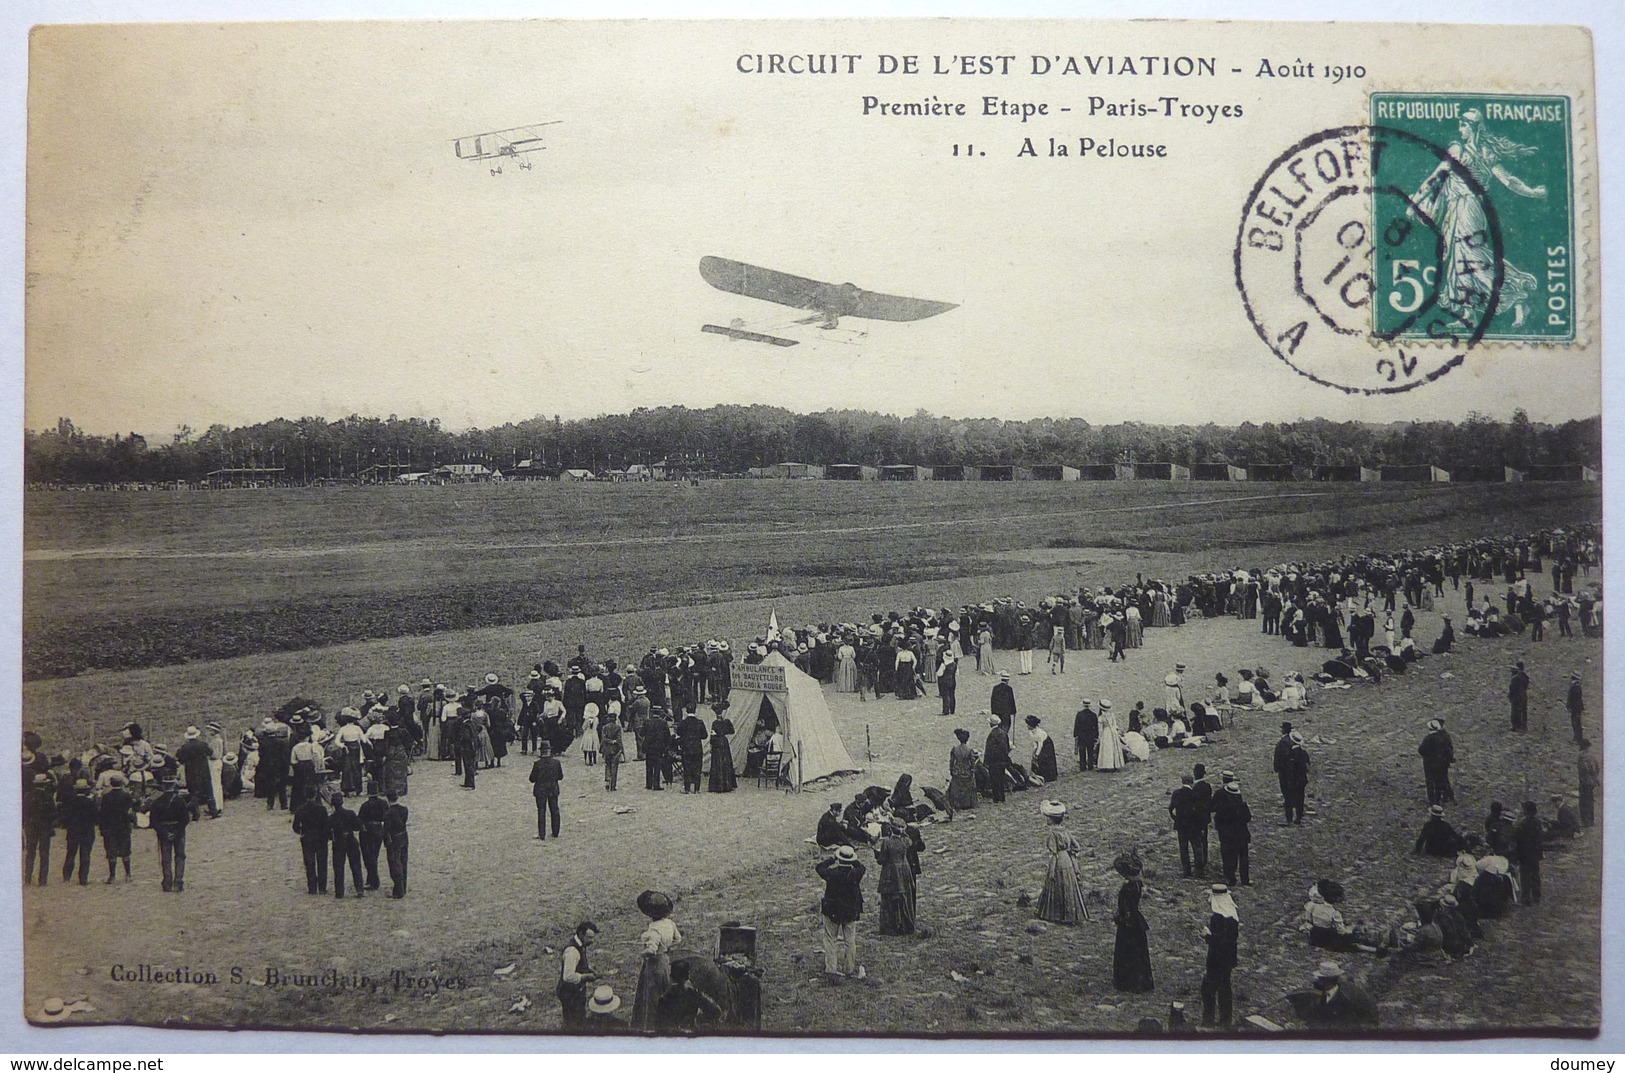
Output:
(355, 839)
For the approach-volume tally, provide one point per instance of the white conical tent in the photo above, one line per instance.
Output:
(803, 717)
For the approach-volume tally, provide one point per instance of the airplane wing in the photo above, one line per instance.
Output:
(765, 284)
(749, 337)
(798, 292)
(872, 306)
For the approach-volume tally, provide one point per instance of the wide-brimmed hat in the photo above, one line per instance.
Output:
(491, 679)
(1105, 705)
(845, 853)
(1328, 970)
(426, 684)
(1234, 787)
(604, 1000)
(1219, 888)
(1004, 675)
(1435, 724)
(191, 733)
(654, 905)
(53, 1009)
(1296, 738)
(1052, 808)
(1436, 810)
(993, 720)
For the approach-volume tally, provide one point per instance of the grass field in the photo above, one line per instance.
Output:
(128, 580)
(485, 895)
(326, 593)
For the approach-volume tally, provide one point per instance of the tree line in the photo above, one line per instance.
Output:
(732, 439)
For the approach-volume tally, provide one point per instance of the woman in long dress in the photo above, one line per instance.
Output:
(984, 652)
(1131, 958)
(1044, 763)
(481, 724)
(723, 779)
(897, 886)
(962, 773)
(1111, 742)
(654, 977)
(903, 673)
(846, 667)
(1134, 627)
(611, 747)
(1061, 900)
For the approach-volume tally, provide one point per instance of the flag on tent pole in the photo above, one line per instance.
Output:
(772, 625)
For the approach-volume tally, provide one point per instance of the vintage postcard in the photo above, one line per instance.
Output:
(941, 528)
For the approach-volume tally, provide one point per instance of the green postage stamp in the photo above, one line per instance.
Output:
(1473, 197)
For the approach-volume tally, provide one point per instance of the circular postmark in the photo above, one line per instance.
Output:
(1360, 259)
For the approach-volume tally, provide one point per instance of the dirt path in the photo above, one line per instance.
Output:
(484, 894)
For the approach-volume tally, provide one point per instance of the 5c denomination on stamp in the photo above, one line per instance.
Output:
(1518, 151)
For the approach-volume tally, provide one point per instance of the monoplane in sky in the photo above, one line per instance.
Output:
(828, 302)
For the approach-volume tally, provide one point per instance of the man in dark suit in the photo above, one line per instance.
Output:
(545, 776)
(1086, 736)
(996, 757)
(841, 907)
(1003, 701)
(1576, 705)
(310, 824)
(1223, 934)
(656, 738)
(691, 738)
(1231, 818)
(344, 828)
(1342, 1003)
(1528, 849)
(1201, 817)
(1438, 752)
(1437, 838)
(395, 844)
(1518, 695)
(371, 814)
(169, 814)
(1182, 809)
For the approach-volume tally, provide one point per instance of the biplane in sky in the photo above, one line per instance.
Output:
(496, 144)
(828, 302)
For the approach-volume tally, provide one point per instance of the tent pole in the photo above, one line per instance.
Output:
(868, 746)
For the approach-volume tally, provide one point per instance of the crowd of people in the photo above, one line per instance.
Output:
(314, 762)
(1333, 605)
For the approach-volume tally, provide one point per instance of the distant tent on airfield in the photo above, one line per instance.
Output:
(776, 688)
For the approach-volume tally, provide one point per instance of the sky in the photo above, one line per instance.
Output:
(228, 224)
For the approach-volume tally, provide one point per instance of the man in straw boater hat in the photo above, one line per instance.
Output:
(1222, 934)
(1576, 705)
(841, 907)
(1518, 696)
(575, 976)
(601, 1019)
(1231, 817)
(1002, 703)
(170, 812)
(194, 757)
(1438, 752)
(116, 818)
(1339, 1002)
(1437, 837)
(545, 775)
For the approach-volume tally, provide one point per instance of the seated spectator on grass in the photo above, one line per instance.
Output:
(1437, 838)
